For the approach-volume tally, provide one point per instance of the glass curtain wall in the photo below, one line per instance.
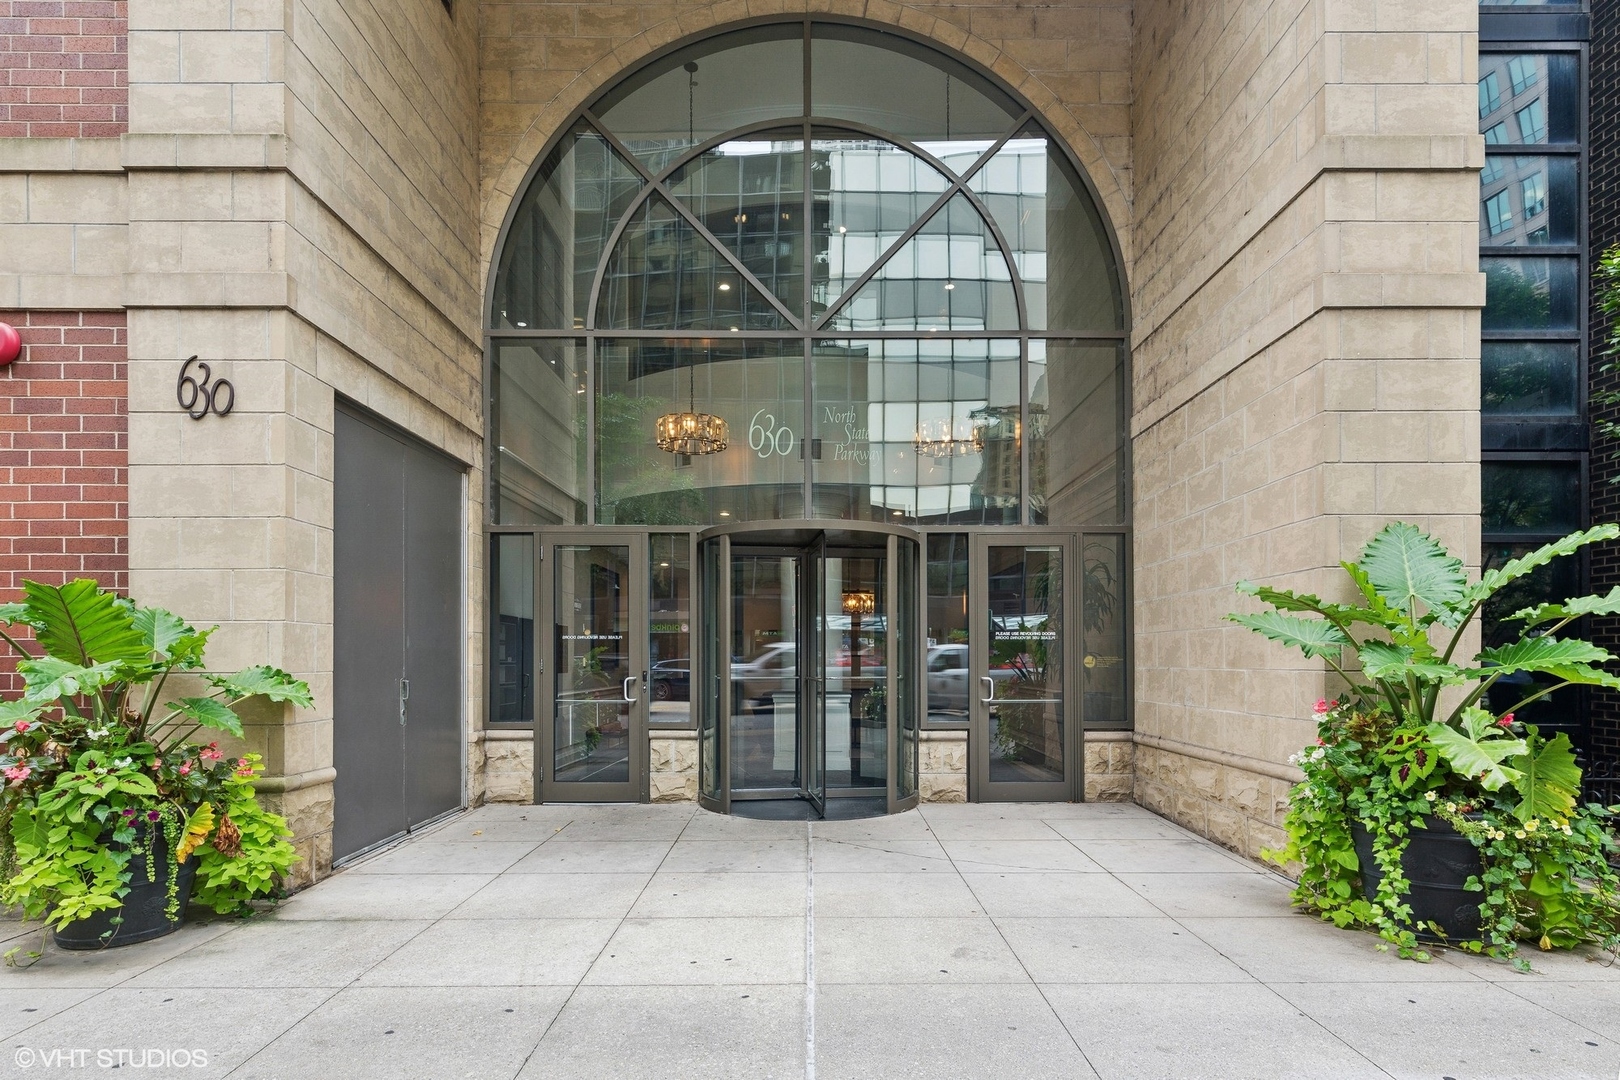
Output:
(862, 273)
(1534, 436)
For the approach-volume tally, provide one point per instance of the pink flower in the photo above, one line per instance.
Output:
(1320, 707)
(210, 754)
(19, 773)
(185, 770)
(21, 725)
(241, 763)
(1506, 721)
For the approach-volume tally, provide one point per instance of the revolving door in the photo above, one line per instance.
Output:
(806, 684)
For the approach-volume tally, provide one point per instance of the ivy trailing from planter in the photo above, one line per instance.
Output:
(1391, 755)
(99, 762)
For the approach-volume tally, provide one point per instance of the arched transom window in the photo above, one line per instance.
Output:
(869, 261)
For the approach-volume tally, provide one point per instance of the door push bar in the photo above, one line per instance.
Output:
(625, 691)
(991, 683)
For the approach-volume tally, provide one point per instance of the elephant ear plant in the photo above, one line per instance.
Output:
(99, 762)
(1412, 744)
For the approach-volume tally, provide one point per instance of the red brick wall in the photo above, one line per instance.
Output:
(64, 68)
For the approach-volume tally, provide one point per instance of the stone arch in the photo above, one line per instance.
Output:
(505, 181)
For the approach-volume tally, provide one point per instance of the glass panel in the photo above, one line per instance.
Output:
(1529, 293)
(711, 660)
(1557, 581)
(669, 627)
(591, 726)
(950, 276)
(1530, 497)
(1078, 433)
(511, 662)
(907, 710)
(1103, 674)
(706, 89)
(764, 672)
(1530, 97)
(756, 387)
(947, 661)
(557, 236)
(665, 276)
(1056, 236)
(917, 431)
(537, 426)
(1529, 378)
(856, 699)
(867, 193)
(894, 84)
(1026, 663)
(1528, 200)
(750, 193)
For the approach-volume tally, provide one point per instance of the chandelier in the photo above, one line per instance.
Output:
(937, 439)
(691, 433)
(860, 603)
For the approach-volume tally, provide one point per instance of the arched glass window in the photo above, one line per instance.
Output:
(868, 259)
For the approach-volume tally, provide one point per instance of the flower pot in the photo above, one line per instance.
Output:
(144, 905)
(1437, 861)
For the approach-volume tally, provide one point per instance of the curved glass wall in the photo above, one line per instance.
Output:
(865, 258)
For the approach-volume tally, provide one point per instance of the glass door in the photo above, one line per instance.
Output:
(591, 745)
(1025, 736)
(814, 681)
(904, 661)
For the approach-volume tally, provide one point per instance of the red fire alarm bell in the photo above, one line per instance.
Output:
(10, 343)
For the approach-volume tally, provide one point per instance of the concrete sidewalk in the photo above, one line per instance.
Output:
(657, 941)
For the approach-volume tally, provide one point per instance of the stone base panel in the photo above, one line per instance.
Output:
(1238, 803)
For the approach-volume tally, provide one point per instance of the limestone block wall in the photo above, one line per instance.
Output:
(1110, 766)
(943, 767)
(302, 211)
(1306, 352)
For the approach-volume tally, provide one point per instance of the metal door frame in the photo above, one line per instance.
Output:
(636, 788)
(891, 658)
(716, 670)
(980, 787)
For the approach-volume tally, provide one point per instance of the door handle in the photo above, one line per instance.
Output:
(991, 683)
(404, 696)
(625, 690)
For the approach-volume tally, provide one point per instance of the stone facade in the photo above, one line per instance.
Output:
(309, 194)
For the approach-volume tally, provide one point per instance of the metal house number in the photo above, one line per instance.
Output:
(198, 396)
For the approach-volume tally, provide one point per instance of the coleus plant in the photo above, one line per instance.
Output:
(98, 759)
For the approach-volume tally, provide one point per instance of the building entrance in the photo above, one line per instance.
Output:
(809, 652)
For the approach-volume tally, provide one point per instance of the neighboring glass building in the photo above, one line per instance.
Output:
(884, 297)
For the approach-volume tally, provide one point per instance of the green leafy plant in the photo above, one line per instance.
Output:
(1410, 742)
(99, 761)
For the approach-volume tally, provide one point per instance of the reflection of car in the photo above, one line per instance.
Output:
(672, 680)
(948, 678)
(771, 671)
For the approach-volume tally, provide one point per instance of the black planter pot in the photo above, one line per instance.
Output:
(144, 905)
(1437, 861)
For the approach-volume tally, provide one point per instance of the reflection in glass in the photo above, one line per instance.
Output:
(665, 276)
(1529, 97)
(511, 662)
(1530, 497)
(1529, 378)
(757, 387)
(1057, 239)
(537, 427)
(1103, 666)
(709, 660)
(1554, 582)
(1026, 663)
(856, 616)
(558, 233)
(669, 628)
(1078, 433)
(1528, 200)
(764, 672)
(750, 194)
(706, 89)
(917, 431)
(947, 662)
(867, 193)
(950, 276)
(894, 84)
(1529, 293)
(591, 723)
